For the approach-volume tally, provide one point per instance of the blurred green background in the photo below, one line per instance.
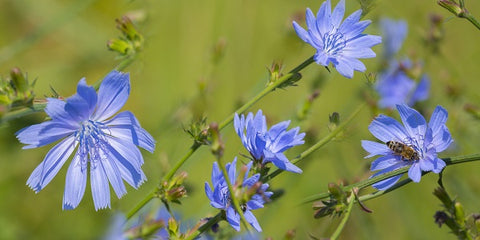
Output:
(175, 79)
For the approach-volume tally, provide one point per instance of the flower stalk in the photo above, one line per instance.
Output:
(368, 182)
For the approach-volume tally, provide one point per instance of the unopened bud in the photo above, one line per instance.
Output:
(126, 26)
(120, 46)
(451, 6)
(19, 81)
(459, 214)
(275, 71)
(217, 143)
(336, 191)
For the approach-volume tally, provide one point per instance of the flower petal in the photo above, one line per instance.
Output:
(324, 14)
(338, 13)
(125, 126)
(252, 220)
(81, 105)
(387, 129)
(113, 173)
(233, 218)
(344, 68)
(414, 122)
(44, 133)
(112, 95)
(56, 157)
(282, 162)
(441, 136)
(302, 33)
(56, 110)
(386, 162)
(438, 165)
(128, 160)
(389, 182)
(99, 185)
(375, 148)
(415, 173)
(75, 183)
(208, 191)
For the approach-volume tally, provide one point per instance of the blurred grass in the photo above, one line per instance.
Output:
(165, 94)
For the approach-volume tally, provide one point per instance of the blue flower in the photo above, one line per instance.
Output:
(220, 195)
(427, 140)
(104, 143)
(395, 86)
(341, 44)
(393, 34)
(268, 146)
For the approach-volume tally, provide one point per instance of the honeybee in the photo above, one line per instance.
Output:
(403, 150)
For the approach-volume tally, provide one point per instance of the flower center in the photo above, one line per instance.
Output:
(333, 42)
(91, 138)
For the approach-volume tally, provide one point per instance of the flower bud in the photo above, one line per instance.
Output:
(120, 46)
(451, 6)
(459, 214)
(216, 142)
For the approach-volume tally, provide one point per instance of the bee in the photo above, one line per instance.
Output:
(403, 150)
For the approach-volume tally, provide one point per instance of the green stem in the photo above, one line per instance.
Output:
(320, 143)
(166, 178)
(212, 221)
(233, 199)
(265, 91)
(340, 227)
(229, 119)
(370, 181)
(472, 19)
(140, 205)
(175, 168)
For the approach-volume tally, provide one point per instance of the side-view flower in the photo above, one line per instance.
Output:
(415, 144)
(104, 144)
(220, 195)
(268, 145)
(341, 44)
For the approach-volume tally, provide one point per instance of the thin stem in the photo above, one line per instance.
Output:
(265, 91)
(166, 178)
(340, 227)
(234, 200)
(472, 19)
(140, 205)
(212, 221)
(320, 143)
(371, 181)
(175, 168)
